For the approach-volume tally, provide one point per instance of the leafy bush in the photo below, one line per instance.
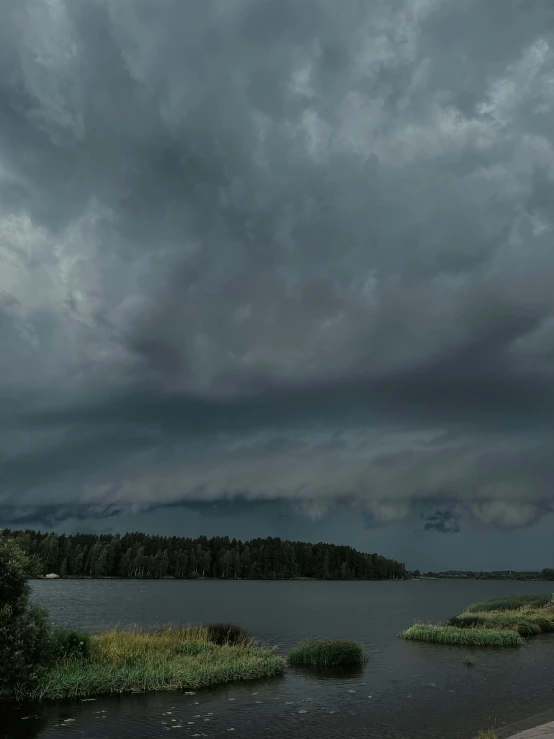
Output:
(327, 653)
(70, 644)
(224, 633)
(14, 573)
(25, 635)
(25, 648)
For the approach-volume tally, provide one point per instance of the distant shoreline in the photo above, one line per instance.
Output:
(288, 579)
(219, 579)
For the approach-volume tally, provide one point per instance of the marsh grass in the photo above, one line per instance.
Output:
(512, 603)
(166, 659)
(476, 637)
(527, 621)
(327, 653)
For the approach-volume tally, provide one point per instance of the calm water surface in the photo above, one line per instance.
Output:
(406, 690)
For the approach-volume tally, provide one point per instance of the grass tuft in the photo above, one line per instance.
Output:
(464, 637)
(488, 734)
(327, 653)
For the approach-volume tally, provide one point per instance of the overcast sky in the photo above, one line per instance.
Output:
(280, 267)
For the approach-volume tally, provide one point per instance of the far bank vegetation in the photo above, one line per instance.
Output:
(143, 556)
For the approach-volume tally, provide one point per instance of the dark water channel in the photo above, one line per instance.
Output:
(406, 690)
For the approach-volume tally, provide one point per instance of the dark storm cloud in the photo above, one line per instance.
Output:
(277, 251)
(443, 521)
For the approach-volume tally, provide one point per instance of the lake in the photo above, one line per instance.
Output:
(407, 690)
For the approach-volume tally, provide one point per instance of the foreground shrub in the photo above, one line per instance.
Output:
(70, 644)
(512, 603)
(327, 653)
(465, 637)
(25, 644)
(225, 633)
(25, 648)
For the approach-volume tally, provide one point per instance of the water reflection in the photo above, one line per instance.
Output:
(21, 722)
(343, 672)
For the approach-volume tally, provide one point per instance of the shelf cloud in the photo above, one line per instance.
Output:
(277, 251)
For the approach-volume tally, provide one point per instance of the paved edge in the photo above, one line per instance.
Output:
(512, 731)
(543, 730)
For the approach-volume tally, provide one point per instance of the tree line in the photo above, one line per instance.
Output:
(139, 555)
(545, 574)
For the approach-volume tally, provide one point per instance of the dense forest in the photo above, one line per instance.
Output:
(145, 556)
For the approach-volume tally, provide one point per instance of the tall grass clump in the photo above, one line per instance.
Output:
(475, 637)
(488, 734)
(512, 603)
(326, 653)
(225, 633)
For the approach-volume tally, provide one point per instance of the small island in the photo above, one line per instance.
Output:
(500, 622)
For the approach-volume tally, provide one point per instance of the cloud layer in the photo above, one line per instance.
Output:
(279, 251)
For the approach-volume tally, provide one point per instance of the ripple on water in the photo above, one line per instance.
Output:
(403, 684)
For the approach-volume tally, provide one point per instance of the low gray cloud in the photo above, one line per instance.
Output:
(276, 251)
(443, 521)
